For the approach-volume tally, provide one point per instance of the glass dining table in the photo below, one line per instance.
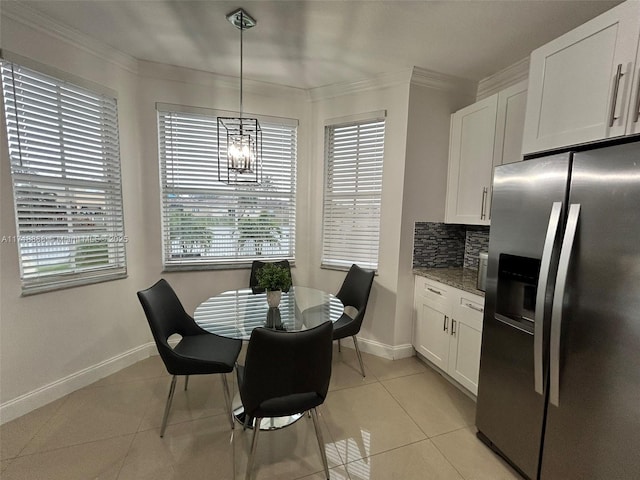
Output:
(235, 313)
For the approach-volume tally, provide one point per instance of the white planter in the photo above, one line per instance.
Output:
(273, 297)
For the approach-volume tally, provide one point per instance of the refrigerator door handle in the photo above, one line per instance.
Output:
(538, 330)
(558, 301)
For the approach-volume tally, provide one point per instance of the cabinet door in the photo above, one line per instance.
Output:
(470, 162)
(575, 92)
(433, 321)
(466, 339)
(431, 338)
(512, 104)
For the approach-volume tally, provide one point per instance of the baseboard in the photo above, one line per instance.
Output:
(383, 350)
(41, 396)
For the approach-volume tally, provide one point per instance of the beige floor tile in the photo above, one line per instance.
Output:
(385, 369)
(418, 461)
(94, 413)
(99, 460)
(201, 449)
(15, 435)
(148, 368)
(366, 420)
(432, 402)
(288, 453)
(203, 398)
(473, 459)
(337, 473)
(345, 370)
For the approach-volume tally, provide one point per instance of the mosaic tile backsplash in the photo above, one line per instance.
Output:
(442, 245)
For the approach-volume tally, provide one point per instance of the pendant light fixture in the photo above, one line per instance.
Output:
(240, 138)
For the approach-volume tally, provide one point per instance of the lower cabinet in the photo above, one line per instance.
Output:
(448, 330)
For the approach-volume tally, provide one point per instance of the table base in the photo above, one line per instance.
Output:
(266, 423)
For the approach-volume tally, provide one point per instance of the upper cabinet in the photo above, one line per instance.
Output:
(483, 135)
(583, 86)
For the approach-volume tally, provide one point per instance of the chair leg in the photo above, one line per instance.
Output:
(186, 382)
(227, 399)
(167, 407)
(339, 346)
(252, 452)
(323, 454)
(355, 342)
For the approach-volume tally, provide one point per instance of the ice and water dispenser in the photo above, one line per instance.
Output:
(517, 288)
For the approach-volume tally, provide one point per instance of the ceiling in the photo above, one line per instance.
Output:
(309, 44)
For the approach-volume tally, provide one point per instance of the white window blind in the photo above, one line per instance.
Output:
(206, 222)
(65, 167)
(353, 187)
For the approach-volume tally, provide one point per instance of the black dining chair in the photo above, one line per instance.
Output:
(257, 265)
(354, 293)
(285, 373)
(197, 353)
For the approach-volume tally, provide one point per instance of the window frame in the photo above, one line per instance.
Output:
(340, 259)
(214, 187)
(77, 169)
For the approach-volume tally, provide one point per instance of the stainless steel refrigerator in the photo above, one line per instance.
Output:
(559, 386)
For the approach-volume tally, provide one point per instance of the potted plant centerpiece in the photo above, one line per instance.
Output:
(274, 279)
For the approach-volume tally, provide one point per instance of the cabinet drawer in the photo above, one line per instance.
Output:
(469, 309)
(433, 292)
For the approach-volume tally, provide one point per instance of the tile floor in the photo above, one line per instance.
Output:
(402, 422)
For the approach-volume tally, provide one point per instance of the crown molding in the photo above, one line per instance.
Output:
(174, 73)
(31, 18)
(504, 78)
(440, 81)
(383, 80)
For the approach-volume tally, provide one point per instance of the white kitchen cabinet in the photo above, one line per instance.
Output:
(448, 330)
(470, 162)
(580, 84)
(633, 119)
(483, 135)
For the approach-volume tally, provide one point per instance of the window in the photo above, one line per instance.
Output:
(65, 167)
(354, 153)
(208, 223)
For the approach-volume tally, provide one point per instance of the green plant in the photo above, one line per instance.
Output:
(273, 277)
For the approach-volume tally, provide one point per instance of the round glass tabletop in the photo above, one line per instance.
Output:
(236, 313)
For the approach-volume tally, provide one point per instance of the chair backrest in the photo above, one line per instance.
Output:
(281, 364)
(355, 289)
(166, 316)
(257, 265)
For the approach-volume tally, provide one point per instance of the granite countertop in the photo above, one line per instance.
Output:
(457, 277)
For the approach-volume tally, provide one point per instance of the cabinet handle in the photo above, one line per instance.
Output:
(453, 327)
(434, 291)
(445, 327)
(616, 86)
(636, 110)
(473, 307)
(483, 214)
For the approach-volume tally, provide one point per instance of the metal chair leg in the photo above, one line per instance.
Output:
(167, 407)
(323, 454)
(355, 342)
(186, 382)
(227, 399)
(252, 453)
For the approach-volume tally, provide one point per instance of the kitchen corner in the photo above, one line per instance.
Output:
(448, 253)
(448, 305)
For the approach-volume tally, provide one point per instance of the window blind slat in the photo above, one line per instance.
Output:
(206, 222)
(65, 166)
(352, 197)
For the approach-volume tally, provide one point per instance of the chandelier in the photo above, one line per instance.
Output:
(240, 138)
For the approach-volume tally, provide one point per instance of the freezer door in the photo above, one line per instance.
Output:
(527, 198)
(593, 419)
